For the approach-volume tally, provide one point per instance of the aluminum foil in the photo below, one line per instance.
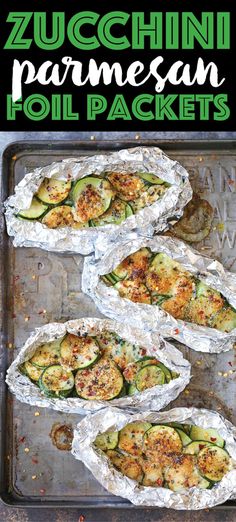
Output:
(153, 318)
(145, 159)
(157, 397)
(112, 419)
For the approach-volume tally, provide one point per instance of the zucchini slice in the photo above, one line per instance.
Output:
(213, 463)
(224, 320)
(183, 474)
(147, 198)
(134, 266)
(131, 437)
(32, 371)
(167, 372)
(194, 447)
(53, 191)
(108, 279)
(132, 369)
(163, 439)
(58, 217)
(134, 291)
(101, 382)
(184, 437)
(115, 214)
(107, 441)
(46, 354)
(121, 351)
(166, 277)
(151, 179)
(55, 381)
(78, 352)
(210, 435)
(132, 390)
(206, 304)
(149, 376)
(127, 185)
(92, 197)
(128, 211)
(127, 464)
(36, 210)
(153, 474)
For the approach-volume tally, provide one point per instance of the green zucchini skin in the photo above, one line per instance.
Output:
(149, 376)
(103, 381)
(107, 441)
(209, 435)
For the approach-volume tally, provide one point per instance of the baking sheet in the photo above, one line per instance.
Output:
(47, 287)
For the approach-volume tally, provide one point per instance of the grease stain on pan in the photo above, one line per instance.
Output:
(62, 436)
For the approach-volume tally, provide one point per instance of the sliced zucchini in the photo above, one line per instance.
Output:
(108, 279)
(210, 435)
(92, 197)
(132, 390)
(162, 439)
(53, 191)
(168, 375)
(134, 291)
(32, 371)
(127, 185)
(151, 179)
(128, 465)
(149, 376)
(131, 437)
(148, 197)
(224, 320)
(132, 369)
(206, 304)
(107, 441)
(134, 266)
(79, 352)
(194, 447)
(121, 351)
(46, 354)
(55, 381)
(103, 381)
(58, 217)
(128, 211)
(115, 214)
(184, 437)
(183, 474)
(213, 463)
(153, 474)
(35, 211)
(166, 277)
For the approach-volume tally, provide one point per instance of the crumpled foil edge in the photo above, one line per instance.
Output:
(157, 397)
(152, 318)
(112, 419)
(146, 159)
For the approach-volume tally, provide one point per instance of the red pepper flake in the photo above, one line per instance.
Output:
(159, 482)
(22, 439)
(231, 182)
(230, 363)
(213, 439)
(16, 277)
(81, 518)
(201, 446)
(176, 331)
(13, 316)
(143, 351)
(42, 491)
(34, 460)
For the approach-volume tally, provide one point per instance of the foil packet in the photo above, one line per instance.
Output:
(153, 318)
(66, 239)
(112, 419)
(157, 397)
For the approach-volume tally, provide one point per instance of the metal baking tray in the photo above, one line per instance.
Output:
(38, 287)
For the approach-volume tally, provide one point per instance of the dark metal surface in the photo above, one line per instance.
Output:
(47, 287)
